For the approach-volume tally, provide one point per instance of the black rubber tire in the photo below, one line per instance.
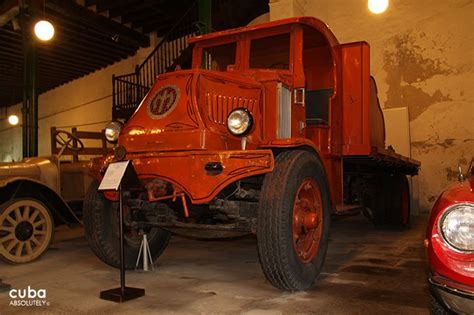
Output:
(278, 259)
(437, 308)
(102, 231)
(392, 199)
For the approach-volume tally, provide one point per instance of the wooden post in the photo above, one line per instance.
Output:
(75, 157)
(53, 141)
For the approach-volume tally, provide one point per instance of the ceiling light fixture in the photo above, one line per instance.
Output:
(13, 120)
(378, 6)
(44, 30)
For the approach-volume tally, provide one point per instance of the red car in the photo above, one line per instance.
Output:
(450, 242)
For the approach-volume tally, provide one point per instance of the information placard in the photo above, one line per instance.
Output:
(113, 176)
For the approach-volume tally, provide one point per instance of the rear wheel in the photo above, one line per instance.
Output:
(101, 224)
(391, 206)
(26, 230)
(293, 221)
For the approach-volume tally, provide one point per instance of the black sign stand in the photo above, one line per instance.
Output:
(129, 181)
(4, 286)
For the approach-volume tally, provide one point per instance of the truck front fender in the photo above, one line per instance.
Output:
(279, 145)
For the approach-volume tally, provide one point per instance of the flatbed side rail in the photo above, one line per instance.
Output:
(381, 160)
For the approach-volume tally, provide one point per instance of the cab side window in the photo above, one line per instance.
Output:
(217, 58)
(318, 69)
(271, 52)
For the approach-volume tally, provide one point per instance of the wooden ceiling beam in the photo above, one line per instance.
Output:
(82, 15)
(143, 15)
(88, 36)
(15, 61)
(120, 8)
(90, 3)
(70, 43)
(104, 5)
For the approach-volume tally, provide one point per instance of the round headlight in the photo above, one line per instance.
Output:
(112, 131)
(457, 226)
(239, 122)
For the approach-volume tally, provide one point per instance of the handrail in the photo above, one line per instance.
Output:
(165, 38)
(129, 89)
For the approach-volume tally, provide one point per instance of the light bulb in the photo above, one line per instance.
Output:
(13, 120)
(44, 30)
(378, 6)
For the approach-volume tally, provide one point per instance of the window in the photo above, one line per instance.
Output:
(270, 52)
(319, 74)
(217, 58)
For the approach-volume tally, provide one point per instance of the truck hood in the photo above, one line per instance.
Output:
(187, 110)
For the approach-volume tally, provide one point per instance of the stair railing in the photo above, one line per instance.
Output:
(129, 89)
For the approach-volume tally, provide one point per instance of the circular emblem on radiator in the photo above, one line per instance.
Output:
(163, 101)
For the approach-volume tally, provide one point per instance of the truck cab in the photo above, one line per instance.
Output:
(273, 129)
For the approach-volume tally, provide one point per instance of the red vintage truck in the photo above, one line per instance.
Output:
(275, 128)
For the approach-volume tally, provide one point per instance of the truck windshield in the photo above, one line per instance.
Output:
(217, 58)
(271, 52)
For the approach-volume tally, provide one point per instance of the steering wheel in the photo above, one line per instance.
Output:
(65, 139)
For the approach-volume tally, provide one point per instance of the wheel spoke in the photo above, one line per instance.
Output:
(26, 213)
(35, 240)
(33, 216)
(7, 238)
(29, 250)
(18, 214)
(12, 245)
(19, 249)
(39, 223)
(10, 219)
(10, 229)
(39, 232)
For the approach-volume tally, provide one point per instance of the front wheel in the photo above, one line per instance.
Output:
(101, 224)
(26, 230)
(293, 221)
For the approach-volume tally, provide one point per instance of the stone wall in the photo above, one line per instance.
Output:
(422, 56)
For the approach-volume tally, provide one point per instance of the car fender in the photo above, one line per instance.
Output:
(14, 187)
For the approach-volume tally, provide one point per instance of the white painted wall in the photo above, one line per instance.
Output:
(85, 103)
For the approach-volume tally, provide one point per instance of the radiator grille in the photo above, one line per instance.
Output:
(284, 112)
(219, 106)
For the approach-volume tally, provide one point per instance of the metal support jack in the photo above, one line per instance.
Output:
(146, 254)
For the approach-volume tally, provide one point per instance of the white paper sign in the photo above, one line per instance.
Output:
(113, 176)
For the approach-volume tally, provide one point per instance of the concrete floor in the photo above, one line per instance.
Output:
(366, 272)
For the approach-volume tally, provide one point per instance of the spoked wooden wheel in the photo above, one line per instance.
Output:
(307, 220)
(26, 230)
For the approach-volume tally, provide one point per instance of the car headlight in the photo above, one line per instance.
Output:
(457, 226)
(239, 122)
(112, 131)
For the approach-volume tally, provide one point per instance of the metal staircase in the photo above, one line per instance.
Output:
(129, 89)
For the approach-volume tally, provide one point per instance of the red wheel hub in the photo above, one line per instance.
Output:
(307, 220)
